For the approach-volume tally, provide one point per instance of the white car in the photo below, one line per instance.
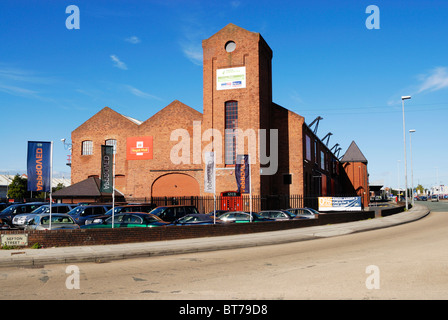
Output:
(434, 197)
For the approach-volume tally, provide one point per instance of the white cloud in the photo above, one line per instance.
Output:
(193, 52)
(19, 91)
(141, 94)
(235, 4)
(133, 40)
(435, 80)
(117, 63)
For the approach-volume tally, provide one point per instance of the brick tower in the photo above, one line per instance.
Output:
(237, 95)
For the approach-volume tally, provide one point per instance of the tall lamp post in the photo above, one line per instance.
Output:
(412, 168)
(405, 163)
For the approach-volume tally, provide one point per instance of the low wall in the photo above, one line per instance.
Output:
(87, 237)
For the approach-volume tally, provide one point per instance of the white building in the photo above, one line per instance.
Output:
(6, 179)
(441, 191)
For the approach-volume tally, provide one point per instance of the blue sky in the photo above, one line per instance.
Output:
(138, 56)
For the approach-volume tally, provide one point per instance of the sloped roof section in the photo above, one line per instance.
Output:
(85, 188)
(353, 154)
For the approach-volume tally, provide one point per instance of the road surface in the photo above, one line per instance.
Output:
(404, 262)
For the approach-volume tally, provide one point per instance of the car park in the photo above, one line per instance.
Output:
(20, 220)
(128, 220)
(242, 217)
(121, 209)
(132, 208)
(277, 215)
(7, 214)
(196, 219)
(82, 213)
(172, 213)
(304, 213)
(58, 221)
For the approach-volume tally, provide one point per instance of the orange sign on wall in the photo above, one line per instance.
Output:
(139, 148)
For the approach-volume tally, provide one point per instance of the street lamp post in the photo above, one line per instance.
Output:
(405, 162)
(412, 168)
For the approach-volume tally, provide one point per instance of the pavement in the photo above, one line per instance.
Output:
(104, 253)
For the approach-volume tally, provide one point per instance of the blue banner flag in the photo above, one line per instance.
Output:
(242, 173)
(39, 166)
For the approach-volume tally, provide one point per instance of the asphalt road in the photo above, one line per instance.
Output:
(408, 261)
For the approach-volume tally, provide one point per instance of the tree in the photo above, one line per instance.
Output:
(420, 189)
(18, 188)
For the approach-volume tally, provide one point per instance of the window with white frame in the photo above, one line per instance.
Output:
(87, 148)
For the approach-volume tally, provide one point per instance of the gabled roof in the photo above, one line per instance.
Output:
(353, 154)
(174, 108)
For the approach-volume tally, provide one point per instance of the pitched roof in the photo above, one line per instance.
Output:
(353, 154)
(85, 188)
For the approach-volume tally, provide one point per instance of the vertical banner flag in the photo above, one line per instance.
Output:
(39, 166)
(242, 173)
(210, 172)
(107, 155)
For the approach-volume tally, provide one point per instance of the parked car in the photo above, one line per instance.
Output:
(20, 220)
(4, 225)
(172, 213)
(132, 208)
(7, 214)
(423, 198)
(129, 220)
(277, 215)
(58, 221)
(242, 217)
(82, 213)
(304, 213)
(218, 212)
(434, 197)
(196, 219)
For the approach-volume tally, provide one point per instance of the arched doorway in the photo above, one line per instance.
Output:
(175, 185)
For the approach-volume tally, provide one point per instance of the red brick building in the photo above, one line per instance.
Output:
(287, 156)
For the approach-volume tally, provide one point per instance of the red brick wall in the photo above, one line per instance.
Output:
(135, 176)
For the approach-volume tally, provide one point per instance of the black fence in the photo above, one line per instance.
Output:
(206, 204)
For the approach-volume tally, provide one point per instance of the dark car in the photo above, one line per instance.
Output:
(242, 217)
(82, 213)
(21, 220)
(7, 214)
(196, 219)
(218, 212)
(129, 220)
(172, 213)
(121, 209)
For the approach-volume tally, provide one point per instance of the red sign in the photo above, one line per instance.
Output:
(139, 148)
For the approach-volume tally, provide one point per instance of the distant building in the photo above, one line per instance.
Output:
(6, 179)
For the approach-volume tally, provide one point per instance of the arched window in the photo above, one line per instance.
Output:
(87, 148)
(231, 113)
(112, 142)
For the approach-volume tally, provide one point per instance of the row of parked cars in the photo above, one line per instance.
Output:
(35, 216)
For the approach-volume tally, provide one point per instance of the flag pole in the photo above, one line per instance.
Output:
(214, 188)
(113, 187)
(250, 187)
(51, 180)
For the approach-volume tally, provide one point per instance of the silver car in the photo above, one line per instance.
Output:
(58, 221)
(304, 213)
(21, 220)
